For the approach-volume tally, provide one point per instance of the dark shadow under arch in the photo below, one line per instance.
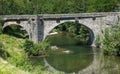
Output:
(15, 30)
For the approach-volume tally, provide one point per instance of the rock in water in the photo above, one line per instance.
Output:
(54, 47)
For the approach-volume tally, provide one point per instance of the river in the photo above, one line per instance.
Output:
(83, 59)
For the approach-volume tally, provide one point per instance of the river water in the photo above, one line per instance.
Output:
(82, 59)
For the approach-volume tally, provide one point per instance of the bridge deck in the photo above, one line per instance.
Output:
(78, 15)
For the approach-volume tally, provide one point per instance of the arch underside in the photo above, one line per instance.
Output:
(22, 25)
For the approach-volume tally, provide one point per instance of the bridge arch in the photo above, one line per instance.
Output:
(20, 25)
(91, 36)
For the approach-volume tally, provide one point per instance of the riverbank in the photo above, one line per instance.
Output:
(7, 68)
(11, 46)
(17, 62)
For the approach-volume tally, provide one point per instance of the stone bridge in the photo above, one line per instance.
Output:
(39, 26)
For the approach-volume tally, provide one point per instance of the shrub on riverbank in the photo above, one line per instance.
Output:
(18, 59)
(13, 46)
(111, 40)
(35, 49)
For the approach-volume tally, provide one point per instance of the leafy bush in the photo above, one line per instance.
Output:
(40, 47)
(111, 40)
(35, 49)
(28, 46)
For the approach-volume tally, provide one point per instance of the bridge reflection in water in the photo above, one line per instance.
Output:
(87, 64)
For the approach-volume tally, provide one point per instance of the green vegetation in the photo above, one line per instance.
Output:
(16, 50)
(111, 41)
(57, 6)
(18, 61)
(35, 49)
(13, 46)
(3, 53)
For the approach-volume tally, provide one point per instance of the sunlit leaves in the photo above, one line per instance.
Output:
(111, 40)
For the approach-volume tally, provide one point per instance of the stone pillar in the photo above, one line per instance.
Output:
(33, 31)
(36, 29)
(40, 29)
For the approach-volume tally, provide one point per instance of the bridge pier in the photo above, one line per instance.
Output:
(37, 30)
(40, 29)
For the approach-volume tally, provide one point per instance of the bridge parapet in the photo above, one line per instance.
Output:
(18, 17)
(45, 16)
(87, 15)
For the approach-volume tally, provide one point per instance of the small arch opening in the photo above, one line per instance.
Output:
(15, 30)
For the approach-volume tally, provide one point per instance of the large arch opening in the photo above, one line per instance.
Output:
(15, 30)
(69, 51)
(75, 32)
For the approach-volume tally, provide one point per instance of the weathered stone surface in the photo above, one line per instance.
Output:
(39, 26)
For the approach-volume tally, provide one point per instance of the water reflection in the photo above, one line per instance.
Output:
(83, 60)
(99, 64)
(80, 59)
(111, 65)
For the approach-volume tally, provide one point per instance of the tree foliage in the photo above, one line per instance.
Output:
(57, 6)
(111, 40)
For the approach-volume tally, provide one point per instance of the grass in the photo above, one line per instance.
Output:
(18, 61)
(7, 68)
(13, 46)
